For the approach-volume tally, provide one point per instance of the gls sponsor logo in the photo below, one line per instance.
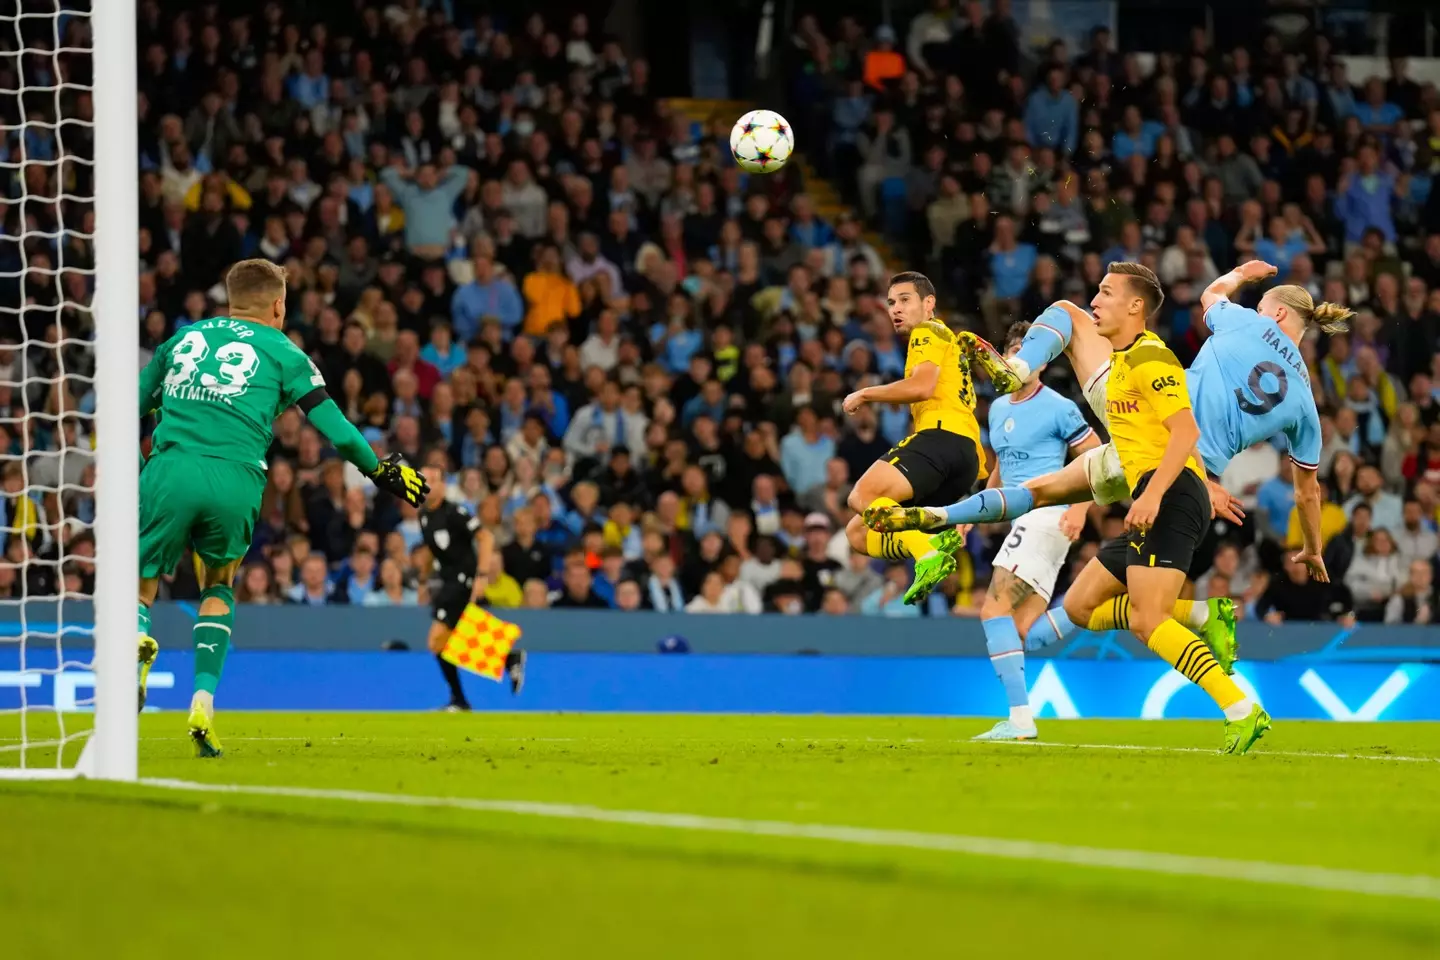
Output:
(1160, 383)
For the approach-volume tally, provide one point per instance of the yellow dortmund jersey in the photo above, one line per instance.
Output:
(1147, 386)
(952, 406)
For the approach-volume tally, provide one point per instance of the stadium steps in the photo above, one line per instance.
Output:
(827, 198)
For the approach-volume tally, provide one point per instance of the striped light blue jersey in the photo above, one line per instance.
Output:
(1033, 437)
(1249, 384)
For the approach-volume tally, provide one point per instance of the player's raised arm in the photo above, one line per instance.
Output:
(1224, 286)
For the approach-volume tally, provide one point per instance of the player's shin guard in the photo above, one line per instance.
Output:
(212, 639)
(1188, 654)
(1114, 614)
(1007, 656)
(1051, 627)
(1046, 339)
(991, 506)
(910, 543)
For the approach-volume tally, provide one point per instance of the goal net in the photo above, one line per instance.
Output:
(69, 360)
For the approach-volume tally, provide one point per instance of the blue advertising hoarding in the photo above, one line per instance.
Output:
(960, 686)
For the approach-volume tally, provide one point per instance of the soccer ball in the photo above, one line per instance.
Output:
(761, 141)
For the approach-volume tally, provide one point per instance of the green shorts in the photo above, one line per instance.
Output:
(198, 503)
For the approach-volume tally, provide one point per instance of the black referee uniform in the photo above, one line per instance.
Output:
(449, 532)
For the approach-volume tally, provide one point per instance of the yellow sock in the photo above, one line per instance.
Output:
(915, 543)
(1115, 614)
(1187, 653)
(884, 546)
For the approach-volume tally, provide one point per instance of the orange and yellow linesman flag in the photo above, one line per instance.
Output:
(480, 642)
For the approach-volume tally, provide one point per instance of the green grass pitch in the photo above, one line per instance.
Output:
(137, 871)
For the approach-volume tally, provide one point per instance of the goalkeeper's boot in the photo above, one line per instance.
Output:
(202, 733)
(897, 518)
(149, 650)
(1009, 730)
(931, 570)
(1240, 735)
(982, 353)
(1219, 633)
(515, 670)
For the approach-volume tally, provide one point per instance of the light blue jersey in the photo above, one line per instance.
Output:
(1249, 384)
(1033, 437)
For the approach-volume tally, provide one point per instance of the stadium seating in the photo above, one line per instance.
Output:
(567, 241)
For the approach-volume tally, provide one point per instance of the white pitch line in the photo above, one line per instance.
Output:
(1131, 747)
(1260, 751)
(1410, 886)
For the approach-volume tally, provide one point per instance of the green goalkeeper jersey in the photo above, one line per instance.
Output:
(219, 385)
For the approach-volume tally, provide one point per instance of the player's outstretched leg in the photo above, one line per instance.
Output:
(148, 648)
(1070, 484)
(1046, 339)
(212, 644)
(991, 505)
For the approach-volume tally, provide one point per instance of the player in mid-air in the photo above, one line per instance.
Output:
(1033, 431)
(1247, 384)
(1154, 434)
(941, 459)
(218, 386)
(460, 550)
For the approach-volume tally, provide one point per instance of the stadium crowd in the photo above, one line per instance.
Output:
(510, 258)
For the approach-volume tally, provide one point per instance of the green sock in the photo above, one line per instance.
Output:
(212, 642)
(143, 619)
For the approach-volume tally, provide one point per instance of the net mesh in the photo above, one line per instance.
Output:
(47, 366)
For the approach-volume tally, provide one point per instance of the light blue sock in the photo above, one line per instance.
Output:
(1046, 339)
(1052, 627)
(1007, 656)
(991, 506)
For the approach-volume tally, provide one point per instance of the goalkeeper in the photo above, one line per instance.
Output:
(218, 386)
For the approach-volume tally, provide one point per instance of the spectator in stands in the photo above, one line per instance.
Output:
(1375, 575)
(315, 588)
(1294, 596)
(1385, 507)
(514, 260)
(427, 198)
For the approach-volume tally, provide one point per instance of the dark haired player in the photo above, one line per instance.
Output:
(941, 459)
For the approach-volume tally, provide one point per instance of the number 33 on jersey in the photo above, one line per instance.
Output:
(219, 384)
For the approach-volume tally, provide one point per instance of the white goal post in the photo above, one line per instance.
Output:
(110, 751)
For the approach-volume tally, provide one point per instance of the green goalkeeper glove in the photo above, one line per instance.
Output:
(400, 479)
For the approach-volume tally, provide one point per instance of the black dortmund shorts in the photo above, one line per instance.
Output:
(448, 601)
(941, 466)
(1180, 526)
